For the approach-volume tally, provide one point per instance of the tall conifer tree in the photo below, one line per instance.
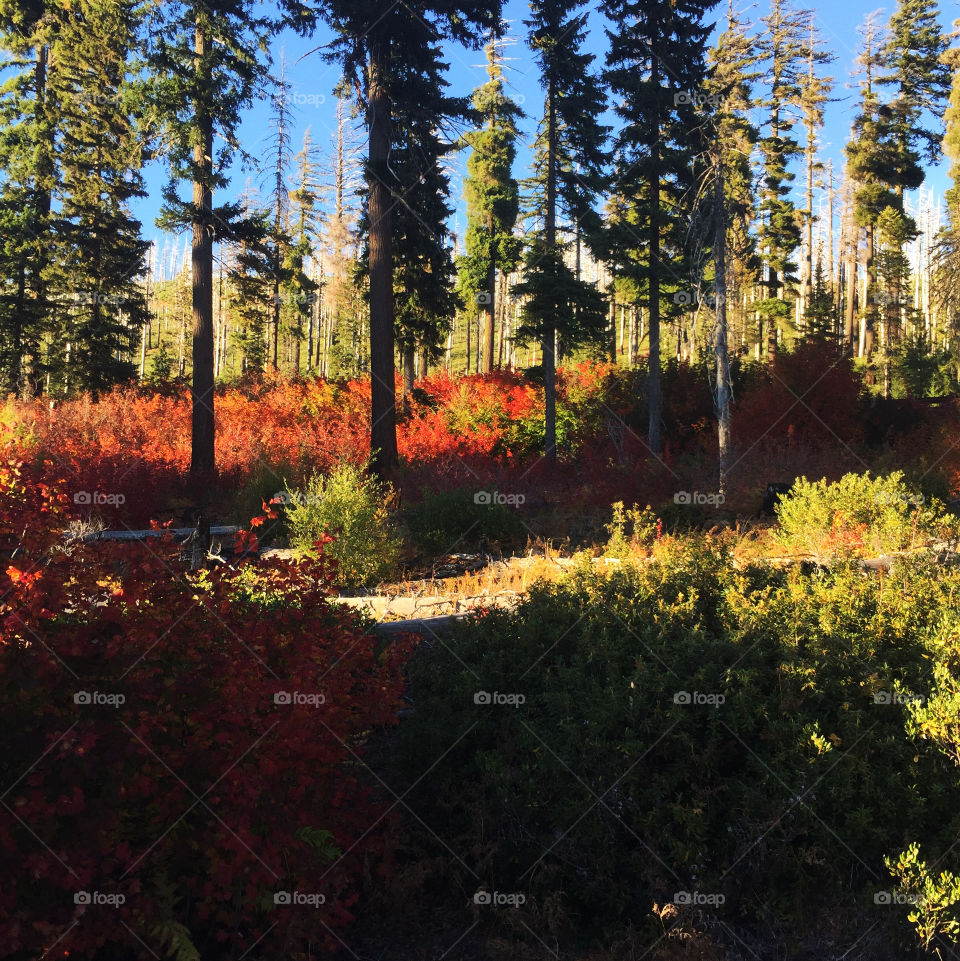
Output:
(656, 69)
(569, 164)
(493, 197)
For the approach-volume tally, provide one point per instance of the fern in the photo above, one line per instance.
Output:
(176, 938)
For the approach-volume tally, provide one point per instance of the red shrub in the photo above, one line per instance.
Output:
(149, 763)
(806, 395)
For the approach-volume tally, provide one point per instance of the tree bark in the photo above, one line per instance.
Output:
(653, 367)
(202, 462)
(549, 331)
(408, 362)
(383, 422)
(720, 329)
(488, 313)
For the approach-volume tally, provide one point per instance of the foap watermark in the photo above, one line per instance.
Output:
(298, 698)
(295, 499)
(886, 697)
(488, 498)
(699, 899)
(698, 698)
(93, 298)
(690, 298)
(887, 498)
(695, 98)
(90, 898)
(299, 899)
(306, 298)
(510, 700)
(98, 499)
(699, 499)
(100, 99)
(483, 298)
(99, 699)
(308, 99)
(894, 897)
(500, 899)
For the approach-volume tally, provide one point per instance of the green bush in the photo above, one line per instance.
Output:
(350, 505)
(859, 516)
(630, 529)
(453, 522)
(687, 727)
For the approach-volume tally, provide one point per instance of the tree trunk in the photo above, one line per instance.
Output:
(549, 331)
(202, 463)
(850, 301)
(383, 430)
(653, 367)
(720, 330)
(488, 315)
(613, 323)
(408, 361)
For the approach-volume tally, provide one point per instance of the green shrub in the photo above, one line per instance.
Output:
(630, 529)
(859, 516)
(621, 778)
(453, 521)
(350, 505)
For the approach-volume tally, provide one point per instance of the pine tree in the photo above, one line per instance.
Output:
(880, 169)
(820, 312)
(729, 86)
(780, 230)
(947, 253)
(569, 165)
(250, 294)
(341, 326)
(207, 64)
(278, 239)
(916, 71)
(97, 253)
(27, 142)
(300, 292)
(370, 42)
(814, 96)
(493, 197)
(424, 272)
(656, 68)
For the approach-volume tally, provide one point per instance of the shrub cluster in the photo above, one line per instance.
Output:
(684, 732)
(182, 767)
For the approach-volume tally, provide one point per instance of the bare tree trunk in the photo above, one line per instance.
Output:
(720, 329)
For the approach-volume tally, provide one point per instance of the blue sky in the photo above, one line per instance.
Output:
(312, 82)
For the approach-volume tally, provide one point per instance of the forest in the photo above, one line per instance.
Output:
(479, 481)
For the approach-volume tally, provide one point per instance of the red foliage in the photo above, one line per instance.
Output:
(176, 745)
(809, 395)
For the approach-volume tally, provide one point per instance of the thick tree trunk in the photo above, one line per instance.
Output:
(383, 429)
(202, 463)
